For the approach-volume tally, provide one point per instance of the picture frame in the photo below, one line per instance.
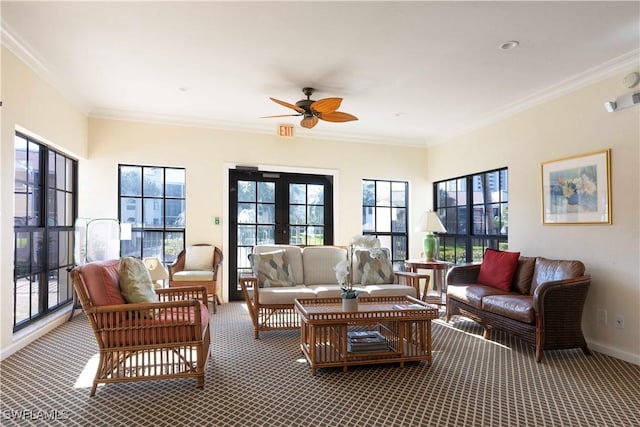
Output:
(577, 190)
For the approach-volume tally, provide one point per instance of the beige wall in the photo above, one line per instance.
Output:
(207, 154)
(28, 103)
(572, 125)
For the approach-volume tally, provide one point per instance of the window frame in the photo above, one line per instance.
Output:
(50, 214)
(142, 245)
(467, 215)
(398, 239)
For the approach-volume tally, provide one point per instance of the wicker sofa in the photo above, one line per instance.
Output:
(313, 276)
(542, 307)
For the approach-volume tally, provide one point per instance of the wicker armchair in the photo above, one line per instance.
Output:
(197, 265)
(159, 340)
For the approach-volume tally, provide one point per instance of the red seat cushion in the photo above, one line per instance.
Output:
(171, 325)
(497, 268)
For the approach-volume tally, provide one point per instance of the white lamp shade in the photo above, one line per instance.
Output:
(156, 269)
(433, 223)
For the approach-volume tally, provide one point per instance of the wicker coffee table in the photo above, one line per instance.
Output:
(404, 322)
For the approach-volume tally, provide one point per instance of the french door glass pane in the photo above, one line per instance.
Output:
(247, 213)
(246, 235)
(267, 192)
(297, 235)
(297, 214)
(246, 191)
(298, 193)
(315, 215)
(315, 194)
(266, 213)
(266, 234)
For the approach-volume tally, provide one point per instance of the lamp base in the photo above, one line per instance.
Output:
(430, 244)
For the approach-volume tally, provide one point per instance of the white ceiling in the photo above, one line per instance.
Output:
(413, 72)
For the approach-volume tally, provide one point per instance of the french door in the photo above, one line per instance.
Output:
(275, 207)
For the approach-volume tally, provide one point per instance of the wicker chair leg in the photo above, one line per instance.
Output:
(486, 334)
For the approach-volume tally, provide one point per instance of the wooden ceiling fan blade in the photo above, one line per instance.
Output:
(326, 105)
(286, 104)
(337, 116)
(309, 122)
(281, 115)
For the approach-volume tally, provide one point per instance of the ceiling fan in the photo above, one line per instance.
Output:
(323, 109)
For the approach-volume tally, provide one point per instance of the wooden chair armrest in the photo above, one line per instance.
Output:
(184, 293)
(136, 307)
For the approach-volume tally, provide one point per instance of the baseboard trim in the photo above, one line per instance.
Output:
(614, 352)
(31, 333)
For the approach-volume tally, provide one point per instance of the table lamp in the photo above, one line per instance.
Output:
(434, 225)
(156, 270)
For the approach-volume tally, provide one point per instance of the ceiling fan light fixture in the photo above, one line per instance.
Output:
(311, 110)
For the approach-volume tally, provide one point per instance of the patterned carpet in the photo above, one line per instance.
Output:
(472, 382)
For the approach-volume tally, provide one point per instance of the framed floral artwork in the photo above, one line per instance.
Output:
(577, 190)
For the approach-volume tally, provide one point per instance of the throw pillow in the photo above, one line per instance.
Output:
(199, 258)
(376, 269)
(497, 268)
(271, 269)
(135, 283)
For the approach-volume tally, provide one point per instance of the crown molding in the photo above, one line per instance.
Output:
(21, 49)
(266, 129)
(623, 63)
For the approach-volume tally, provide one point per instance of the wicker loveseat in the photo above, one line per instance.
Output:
(140, 341)
(543, 305)
(313, 276)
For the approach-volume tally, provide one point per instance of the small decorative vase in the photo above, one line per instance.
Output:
(349, 304)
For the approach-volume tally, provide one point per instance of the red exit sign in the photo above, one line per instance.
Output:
(285, 131)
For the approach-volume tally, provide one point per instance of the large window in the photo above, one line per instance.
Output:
(152, 200)
(384, 215)
(44, 211)
(474, 210)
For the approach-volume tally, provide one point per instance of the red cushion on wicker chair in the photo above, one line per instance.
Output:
(171, 325)
(497, 268)
(102, 281)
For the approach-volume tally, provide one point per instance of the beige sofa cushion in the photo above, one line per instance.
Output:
(294, 258)
(319, 264)
(389, 290)
(284, 295)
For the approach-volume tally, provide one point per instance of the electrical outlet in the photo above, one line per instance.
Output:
(602, 316)
(620, 321)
